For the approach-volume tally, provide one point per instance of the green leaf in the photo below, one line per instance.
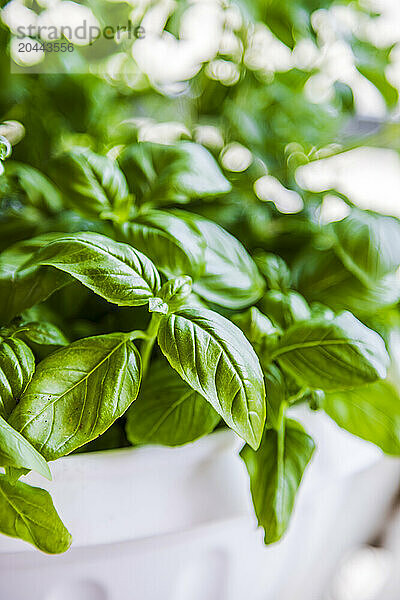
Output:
(323, 278)
(168, 411)
(163, 174)
(40, 191)
(276, 470)
(77, 393)
(92, 184)
(255, 325)
(16, 451)
(20, 287)
(320, 311)
(368, 244)
(157, 305)
(332, 355)
(28, 513)
(285, 308)
(231, 278)
(260, 332)
(15, 473)
(372, 62)
(176, 292)
(378, 79)
(275, 271)
(345, 97)
(41, 333)
(112, 270)
(288, 21)
(213, 356)
(315, 399)
(173, 246)
(371, 412)
(197, 173)
(277, 395)
(17, 365)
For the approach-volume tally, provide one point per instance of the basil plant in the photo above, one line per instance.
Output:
(149, 295)
(195, 334)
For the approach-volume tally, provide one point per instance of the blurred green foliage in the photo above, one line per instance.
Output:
(269, 110)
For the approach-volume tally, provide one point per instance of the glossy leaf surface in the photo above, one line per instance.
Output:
(231, 278)
(368, 244)
(17, 365)
(216, 360)
(28, 513)
(173, 246)
(168, 411)
(92, 183)
(276, 470)
(77, 393)
(371, 412)
(112, 270)
(331, 355)
(16, 451)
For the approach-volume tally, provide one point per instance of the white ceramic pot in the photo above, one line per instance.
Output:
(177, 524)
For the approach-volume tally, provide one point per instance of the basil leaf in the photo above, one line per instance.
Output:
(371, 412)
(277, 394)
(372, 62)
(16, 451)
(213, 356)
(320, 311)
(176, 292)
(285, 308)
(28, 513)
(197, 173)
(92, 184)
(323, 278)
(41, 333)
(275, 271)
(168, 411)
(332, 355)
(377, 77)
(157, 305)
(22, 288)
(39, 190)
(165, 174)
(173, 246)
(112, 270)
(231, 278)
(276, 470)
(368, 244)
(15, 473)
(260, 332)
(17, 365)
(77, 393)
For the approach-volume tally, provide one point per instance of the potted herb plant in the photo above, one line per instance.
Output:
(161, 316)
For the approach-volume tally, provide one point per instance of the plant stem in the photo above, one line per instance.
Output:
(281, 438)
(297, 397)
(148, 343)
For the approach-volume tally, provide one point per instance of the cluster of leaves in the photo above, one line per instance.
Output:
(128, 311)
(187, 270)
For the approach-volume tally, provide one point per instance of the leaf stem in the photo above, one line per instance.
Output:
(281, 438)
(299, 396)
(148, 343)
(138, 334)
